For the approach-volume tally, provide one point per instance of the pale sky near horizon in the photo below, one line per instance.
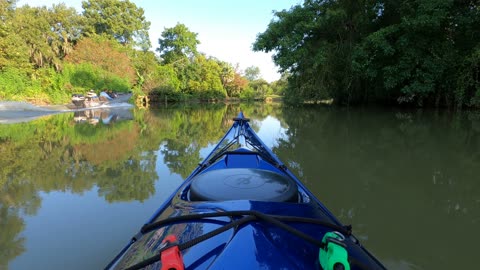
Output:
(226, 29)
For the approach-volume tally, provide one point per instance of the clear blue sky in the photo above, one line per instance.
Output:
(226, 29)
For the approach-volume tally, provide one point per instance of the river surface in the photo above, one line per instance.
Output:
(74, 187)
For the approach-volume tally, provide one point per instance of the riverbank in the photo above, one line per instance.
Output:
(158, 99)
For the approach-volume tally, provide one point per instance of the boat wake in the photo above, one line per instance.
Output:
(17, 112)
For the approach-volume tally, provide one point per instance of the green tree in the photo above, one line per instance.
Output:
(67, 26)
(314, 42)
(252, 73)
(260, 88)
(145, 64)
(34, 44)
(164, 81)
(122, 20)
(49, 33)
(227, 74)
(177, 44)
(413, 56)
(178, 49)
(32, 24)
(13, 50)
(29, 48)
(279, 86)
(207, 82)
(237, 86)
(105, 54)
(233, 82)
(409, 51)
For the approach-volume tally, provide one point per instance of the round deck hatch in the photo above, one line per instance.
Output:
(243, 184)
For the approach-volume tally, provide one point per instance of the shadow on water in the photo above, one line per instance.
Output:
(406, 180)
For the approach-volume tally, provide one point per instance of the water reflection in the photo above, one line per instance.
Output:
(104, 116)
(117, 158)
(11, 244)
(406, 180)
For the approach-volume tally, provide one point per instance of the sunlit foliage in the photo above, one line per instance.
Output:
(105, 54)
(49, 53)
(122, 20)
(177, 44)
(409, 52)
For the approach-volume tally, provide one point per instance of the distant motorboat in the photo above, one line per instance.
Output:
(16, 111)
(91, 99)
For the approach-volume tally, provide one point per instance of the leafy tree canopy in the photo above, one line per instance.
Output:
(122, 20)
(413, 51)
(252, 73)
(105, 54)
(177, 44)
(49, 33)
(13, 51)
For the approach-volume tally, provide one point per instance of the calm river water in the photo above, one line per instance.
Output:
(75, 187)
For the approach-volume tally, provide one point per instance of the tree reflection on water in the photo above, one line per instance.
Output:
(66, 153)
(392, 174)
(406, 180)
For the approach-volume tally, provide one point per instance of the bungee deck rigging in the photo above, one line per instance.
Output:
(241, 208)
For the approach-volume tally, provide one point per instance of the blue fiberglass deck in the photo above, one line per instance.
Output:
(243, 189)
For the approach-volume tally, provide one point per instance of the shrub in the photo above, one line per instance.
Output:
(13, 83)
(84, 76)
(247, 94)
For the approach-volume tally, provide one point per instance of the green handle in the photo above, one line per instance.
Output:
(334, 255)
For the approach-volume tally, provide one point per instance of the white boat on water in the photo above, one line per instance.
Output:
(16, 111)
(92, 100)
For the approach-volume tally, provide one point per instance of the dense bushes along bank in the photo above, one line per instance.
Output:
(413, 52)
(49, 53)
(418, 52)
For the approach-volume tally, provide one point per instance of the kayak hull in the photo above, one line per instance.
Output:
(256, 244)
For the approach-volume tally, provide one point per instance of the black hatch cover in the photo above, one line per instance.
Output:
(243, 184)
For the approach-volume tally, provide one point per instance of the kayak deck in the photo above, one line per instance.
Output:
(242, 209)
